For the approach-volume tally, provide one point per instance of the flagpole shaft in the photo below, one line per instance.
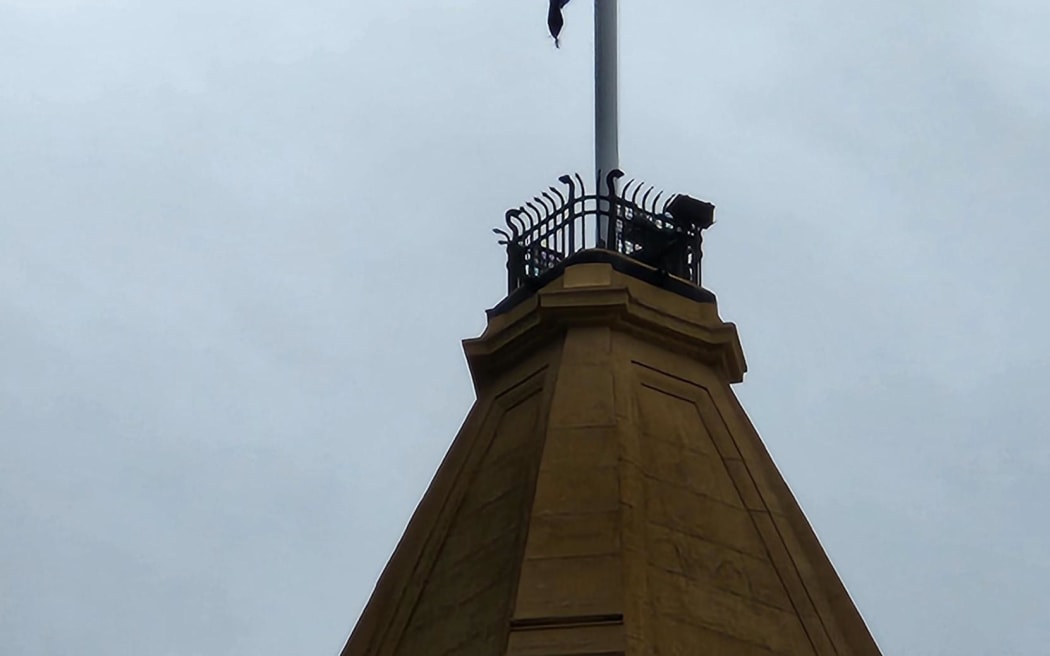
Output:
(606, 97)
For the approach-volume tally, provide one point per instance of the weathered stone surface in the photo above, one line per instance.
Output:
(581, 586)
(711, 565)
(584, 397)
(739, 617)
(577, 534)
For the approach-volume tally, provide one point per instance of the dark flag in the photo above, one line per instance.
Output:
(554, 18)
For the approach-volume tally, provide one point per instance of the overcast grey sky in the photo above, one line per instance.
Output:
(240, 242)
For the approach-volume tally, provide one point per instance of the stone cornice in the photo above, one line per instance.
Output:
(596, 294)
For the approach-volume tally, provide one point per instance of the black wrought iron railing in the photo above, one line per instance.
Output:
(629, 219)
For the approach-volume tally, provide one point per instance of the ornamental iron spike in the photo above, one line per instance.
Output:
(645, 199)
(670, 199)
(534, 214)
(626, 189)
(514, 222)
(638, 188)
(656, 203)
(555, 207)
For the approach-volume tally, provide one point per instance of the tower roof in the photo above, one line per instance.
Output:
(607, 494)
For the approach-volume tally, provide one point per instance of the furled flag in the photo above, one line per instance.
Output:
(554, 18)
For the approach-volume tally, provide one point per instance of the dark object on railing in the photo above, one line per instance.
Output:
(690, 210)
(546, 231)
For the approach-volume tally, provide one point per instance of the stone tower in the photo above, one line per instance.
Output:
(607, 495)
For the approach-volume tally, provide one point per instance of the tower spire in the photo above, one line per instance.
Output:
(607, 495)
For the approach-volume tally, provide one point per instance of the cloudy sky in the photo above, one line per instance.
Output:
(240, 242)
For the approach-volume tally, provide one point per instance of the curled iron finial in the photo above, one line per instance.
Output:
(656, 203)
(637, 190)
(534, 214)
(514, 222)
(626, 188)
(541, 207)
(670, 199)
(502, 233)
(645, 199)
(543, 199)
(555, 207)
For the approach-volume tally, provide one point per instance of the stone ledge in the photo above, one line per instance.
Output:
(600, 295)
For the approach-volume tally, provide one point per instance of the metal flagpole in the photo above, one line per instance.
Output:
(606, 79)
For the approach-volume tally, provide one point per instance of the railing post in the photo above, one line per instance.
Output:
(515, 266)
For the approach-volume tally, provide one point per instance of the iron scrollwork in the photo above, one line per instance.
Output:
(630, 220)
